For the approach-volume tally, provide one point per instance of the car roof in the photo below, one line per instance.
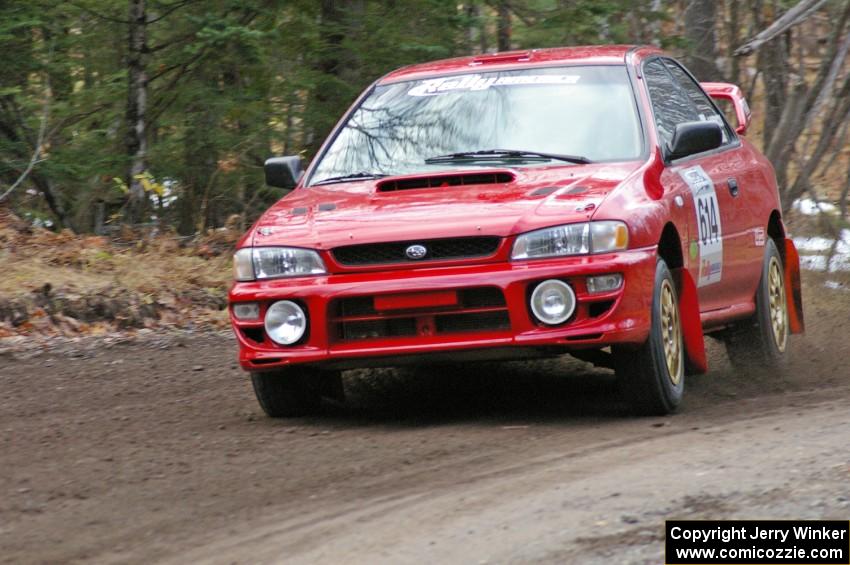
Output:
(584, 54)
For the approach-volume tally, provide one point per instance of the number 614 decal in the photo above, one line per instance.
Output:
(710, 236)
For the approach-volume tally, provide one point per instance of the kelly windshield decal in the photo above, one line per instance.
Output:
(432, 87)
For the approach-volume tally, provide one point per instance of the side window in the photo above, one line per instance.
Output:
(704, 108)
(669, 104)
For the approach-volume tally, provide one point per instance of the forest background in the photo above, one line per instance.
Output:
(161, 113)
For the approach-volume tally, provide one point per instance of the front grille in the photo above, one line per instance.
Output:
(480, 309)
(437, 250)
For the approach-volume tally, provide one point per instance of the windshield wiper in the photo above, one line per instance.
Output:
(506, 154)
(353, 176)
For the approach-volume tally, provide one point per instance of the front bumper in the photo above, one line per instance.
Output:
(618, 317)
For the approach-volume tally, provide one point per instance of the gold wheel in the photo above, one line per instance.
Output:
(778, 304)
(671, 333)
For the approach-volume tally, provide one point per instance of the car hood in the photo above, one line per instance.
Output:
(323, 217)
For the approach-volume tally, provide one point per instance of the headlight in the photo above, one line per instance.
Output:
(252, 263)
(572, 239)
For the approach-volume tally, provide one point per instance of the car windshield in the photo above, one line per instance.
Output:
(417, 126)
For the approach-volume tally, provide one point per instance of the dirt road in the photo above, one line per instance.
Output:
(155, 451)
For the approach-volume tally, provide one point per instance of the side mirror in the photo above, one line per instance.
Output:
(730, 92)
(283, 172)
(694, 137)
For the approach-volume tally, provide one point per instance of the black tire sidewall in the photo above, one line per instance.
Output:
(669, 393)
(286, 393)
(751, 345)
(642, 373)
(770, 350)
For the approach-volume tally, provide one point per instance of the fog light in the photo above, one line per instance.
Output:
(553, 302)
(246, 311)
(285, 322)
(604, 283)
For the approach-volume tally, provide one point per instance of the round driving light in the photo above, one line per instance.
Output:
(553, 302)
(285, 322)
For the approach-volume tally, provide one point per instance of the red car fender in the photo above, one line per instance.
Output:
(697, 362)
(794, 292)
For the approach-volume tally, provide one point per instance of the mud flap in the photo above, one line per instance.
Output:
(697, 362)
(794, 292)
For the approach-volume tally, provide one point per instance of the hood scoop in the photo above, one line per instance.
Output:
(445, 180)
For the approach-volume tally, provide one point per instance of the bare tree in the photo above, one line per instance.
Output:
(700, 25)
(792, 17)
(137, 96)
(39, 144)
(816, 108)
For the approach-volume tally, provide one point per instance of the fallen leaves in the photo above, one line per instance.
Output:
(61, 284)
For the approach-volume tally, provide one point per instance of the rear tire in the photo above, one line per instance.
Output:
(288, 393)
(652, 377)
(759, 343)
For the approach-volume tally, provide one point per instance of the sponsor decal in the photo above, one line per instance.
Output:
(433, 87)
(758, 235)
(710, 229)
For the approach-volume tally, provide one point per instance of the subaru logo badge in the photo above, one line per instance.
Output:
(416, 251)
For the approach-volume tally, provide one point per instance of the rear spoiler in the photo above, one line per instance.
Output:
(732, 93)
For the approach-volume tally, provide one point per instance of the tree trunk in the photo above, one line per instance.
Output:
(328, 64)
(340, 19)
(732, 38)
(48, 190)
(136, 141)
(473, 15)
(842, 200)
(504, 26)
(837, 114)
(201, 157)
(773, 65)
(700, 21)
(804, 104)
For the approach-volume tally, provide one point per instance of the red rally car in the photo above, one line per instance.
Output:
(587, 200)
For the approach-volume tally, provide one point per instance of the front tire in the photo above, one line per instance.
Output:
(652, 377)
(287, 393)
(759, 343)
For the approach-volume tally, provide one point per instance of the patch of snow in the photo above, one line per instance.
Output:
(819, 263)
(824, 244)
(810, 207)
(813, 262)
(813, 243)
(815, 252)
(835, 285)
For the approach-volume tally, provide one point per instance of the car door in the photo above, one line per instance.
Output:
(736, 177)
(716, 246)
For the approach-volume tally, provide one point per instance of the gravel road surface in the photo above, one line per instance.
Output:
(155, 450)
